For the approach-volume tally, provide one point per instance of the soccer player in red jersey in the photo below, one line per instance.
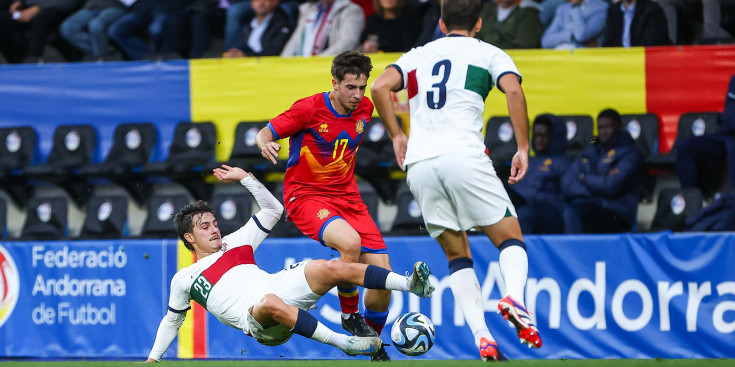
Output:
(320, 192)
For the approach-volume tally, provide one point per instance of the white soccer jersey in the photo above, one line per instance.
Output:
(223, 282)
(447, 81)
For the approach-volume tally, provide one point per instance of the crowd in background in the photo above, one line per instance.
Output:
(99, 30)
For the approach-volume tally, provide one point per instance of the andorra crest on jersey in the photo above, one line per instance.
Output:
(323, 213)
(359, 126)
(323, 128)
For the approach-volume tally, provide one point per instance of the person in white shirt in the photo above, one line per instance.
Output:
(269, 307)
(447, 169)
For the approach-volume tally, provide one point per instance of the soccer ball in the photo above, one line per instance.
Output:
(413, 334)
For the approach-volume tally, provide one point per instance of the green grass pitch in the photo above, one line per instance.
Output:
(403, 363)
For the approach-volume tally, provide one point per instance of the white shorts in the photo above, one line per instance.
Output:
(458, 191)
(291, 286)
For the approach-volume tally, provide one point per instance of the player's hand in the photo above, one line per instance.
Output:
(229, 174)
(14, 6)
(518, 167)
(270, 151)
(400, 142)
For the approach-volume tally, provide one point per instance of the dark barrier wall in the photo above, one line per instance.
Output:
(605, 296)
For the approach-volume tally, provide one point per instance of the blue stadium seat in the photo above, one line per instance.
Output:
(161, 210)
(232, 209)
(674, 206)
(18, 146)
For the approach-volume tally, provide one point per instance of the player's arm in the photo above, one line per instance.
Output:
(267, 144)
(518, 113)
(167, 331)
(390, 81)
(172, 321)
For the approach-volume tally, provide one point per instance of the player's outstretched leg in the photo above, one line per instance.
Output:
(518, 316)
(489, 351)
(324, 275)
(418, 282)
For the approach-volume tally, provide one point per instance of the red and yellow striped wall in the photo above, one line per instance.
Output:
(667, 81)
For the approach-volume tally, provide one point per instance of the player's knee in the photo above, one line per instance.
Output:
(271, 305)
(350, 249)
(337, 270)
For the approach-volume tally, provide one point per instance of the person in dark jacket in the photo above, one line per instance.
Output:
(632, 23)
(601, 186)
(697, 156)
(538, 197)
(26, 27)
(508, 24)
(265, 32)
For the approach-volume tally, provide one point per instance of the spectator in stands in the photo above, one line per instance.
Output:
(86, 29)
(511, 24)
(601, 186)
(392, 27)
(548, 10)
(632, 23)
(236, 13)
(577, 23)
(152, 15)
(709, 10)
(430, 14)
(27, 26)
(698, 155)
(265, 32)
(191, 28)
(326, 27)
(538, 197)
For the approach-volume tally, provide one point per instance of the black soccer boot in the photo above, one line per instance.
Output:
(381, 355)
(356, 325)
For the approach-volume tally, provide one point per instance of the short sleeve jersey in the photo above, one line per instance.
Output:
(216, 281)
(447, 81)
(323, 146)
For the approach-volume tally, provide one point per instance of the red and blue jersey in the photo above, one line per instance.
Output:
(323, 146)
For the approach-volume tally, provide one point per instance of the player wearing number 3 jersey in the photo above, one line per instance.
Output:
(447, 170)
(269, 307)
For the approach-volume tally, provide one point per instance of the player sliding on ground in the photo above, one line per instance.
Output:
(269, 307)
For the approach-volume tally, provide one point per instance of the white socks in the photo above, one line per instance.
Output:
(467, 294)
(396, 282)
(327, 336)
(514, 267)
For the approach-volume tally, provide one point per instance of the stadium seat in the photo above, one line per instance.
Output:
(46, 219)
(408, 221)
(376, 160)
(500, 140)
(284, 228)
(674, 206)
(132, 146)
(17, 150)
(693, 123)
(246, 154)
(580, 130)
(106, 217)
(232, 209)
(193, 146)
(643, 128)
(73, 147)
(161, 210)
(3, 218)
(371, 200)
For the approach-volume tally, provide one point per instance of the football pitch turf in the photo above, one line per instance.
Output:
(401, 363)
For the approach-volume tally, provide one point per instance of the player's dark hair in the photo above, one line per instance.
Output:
(460, 14)
(351, 62)
(611, 114)
(184, 219)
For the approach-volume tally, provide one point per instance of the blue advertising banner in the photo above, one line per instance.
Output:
(83, 298)
(593, 296)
